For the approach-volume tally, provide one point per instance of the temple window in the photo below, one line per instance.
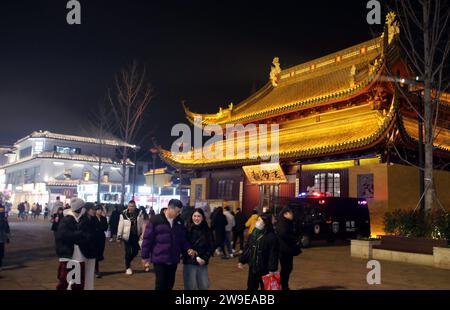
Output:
(225, 189)
(328, 183)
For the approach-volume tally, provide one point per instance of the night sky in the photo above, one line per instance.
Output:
(206, 53)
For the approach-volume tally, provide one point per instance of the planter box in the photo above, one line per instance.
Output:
(441, 257)
(404, 257)
(410, 245)
(363, 248)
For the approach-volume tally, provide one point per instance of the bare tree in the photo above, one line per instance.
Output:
(425, 41)
(129, 98)
(101, 128)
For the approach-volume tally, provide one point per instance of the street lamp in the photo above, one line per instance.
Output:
(154, 152)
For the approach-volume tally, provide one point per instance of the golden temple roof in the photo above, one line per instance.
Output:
(334, 132)
(334, 77)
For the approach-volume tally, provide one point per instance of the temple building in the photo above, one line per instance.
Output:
(345, 128)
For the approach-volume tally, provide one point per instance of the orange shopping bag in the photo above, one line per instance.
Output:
(272, 282)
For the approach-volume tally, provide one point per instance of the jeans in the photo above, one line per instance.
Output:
(287, 264)
(228, 238)
(195, 277)
(131, 250)
(164, 276)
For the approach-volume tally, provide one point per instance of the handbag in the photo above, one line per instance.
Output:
(272, 282)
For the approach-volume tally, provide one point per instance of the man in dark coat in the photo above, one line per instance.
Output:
(238, 230)
(99, 238)
(165, 239)
(218, 224)
(114, 222)
(289, 245)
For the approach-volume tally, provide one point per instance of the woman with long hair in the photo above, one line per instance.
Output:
(260, 253)
(195, 268)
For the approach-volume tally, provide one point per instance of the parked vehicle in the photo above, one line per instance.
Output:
(330, 218)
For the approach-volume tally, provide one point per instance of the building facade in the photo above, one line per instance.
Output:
(344, 129)
(44, 165)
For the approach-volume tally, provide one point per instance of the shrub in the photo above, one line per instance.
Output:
(408, 223)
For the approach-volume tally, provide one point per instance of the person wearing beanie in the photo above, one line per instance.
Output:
(73, 245)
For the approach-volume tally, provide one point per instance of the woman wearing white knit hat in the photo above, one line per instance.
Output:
(76, 260)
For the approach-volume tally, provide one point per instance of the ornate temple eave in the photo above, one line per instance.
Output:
(409, 136)
(305, 140)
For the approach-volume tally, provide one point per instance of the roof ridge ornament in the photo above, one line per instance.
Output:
(393, 27)
(275, 71)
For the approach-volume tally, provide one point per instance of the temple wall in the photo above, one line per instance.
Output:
(404, 187)
(395, 187)
(378, 205)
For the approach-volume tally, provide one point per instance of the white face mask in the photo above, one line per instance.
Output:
(259, 225)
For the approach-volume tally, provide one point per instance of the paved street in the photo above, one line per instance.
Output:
(30, 263)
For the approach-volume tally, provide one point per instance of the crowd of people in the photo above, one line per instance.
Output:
(35, 210)
(177, 234)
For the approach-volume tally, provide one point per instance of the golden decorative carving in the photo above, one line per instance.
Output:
(275, 70)
(352, 75)
(393, 27)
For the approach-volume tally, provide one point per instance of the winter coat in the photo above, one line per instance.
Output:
(163, 244)
(287, 237)
(251, 223)
(56, 219)
(261, 253)
(239, 220)
(67, 236)
(230, 220)
(202, 242)
(114, 222)
(4, 230)
(88, 226)
(219, 223)
(124, 229)
(56, 205)
(99, 238)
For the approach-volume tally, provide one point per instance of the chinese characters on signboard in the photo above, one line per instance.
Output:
(265, 174)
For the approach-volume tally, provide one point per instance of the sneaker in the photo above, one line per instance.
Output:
(129, 272)
(147, 267)
(231, 255)
(240, 252)
(111, 239)
(98, 275)
(233, 251)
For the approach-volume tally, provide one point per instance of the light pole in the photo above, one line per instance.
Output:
(154, 152)
(136, 149)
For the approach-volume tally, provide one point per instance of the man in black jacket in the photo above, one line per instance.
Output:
(238, 230)
(74, 239)
(289, 246)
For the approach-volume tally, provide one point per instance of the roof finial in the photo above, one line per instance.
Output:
(393, 27)
(275, 71)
